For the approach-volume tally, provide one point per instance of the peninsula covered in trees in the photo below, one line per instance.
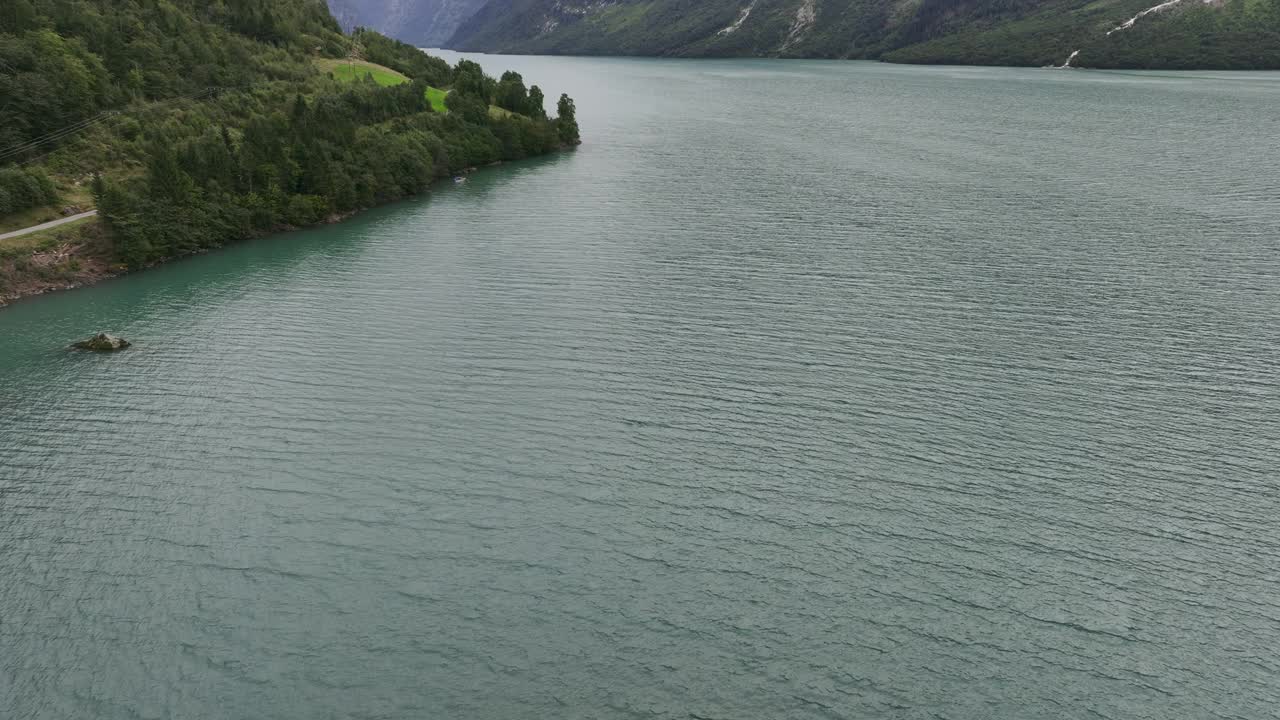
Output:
(190, 124)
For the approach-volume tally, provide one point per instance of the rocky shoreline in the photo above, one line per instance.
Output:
(71, 265)
(81, 258)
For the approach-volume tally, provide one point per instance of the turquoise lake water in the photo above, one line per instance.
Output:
(800, 390)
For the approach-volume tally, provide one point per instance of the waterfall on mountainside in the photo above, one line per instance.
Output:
(1130, 23)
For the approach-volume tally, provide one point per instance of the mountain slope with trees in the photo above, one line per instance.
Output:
(193, 124)
(1222, 34)
(425, 23)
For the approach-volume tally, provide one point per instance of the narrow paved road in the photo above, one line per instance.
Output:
(46, 226)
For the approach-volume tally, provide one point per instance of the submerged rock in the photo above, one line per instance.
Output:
(103, 342)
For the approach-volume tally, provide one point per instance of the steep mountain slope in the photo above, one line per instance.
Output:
(425, 23)
(1184, 33)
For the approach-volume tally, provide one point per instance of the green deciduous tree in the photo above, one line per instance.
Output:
(567, 121)
(537, 103)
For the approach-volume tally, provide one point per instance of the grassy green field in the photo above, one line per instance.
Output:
(436, 97)
(352, 70)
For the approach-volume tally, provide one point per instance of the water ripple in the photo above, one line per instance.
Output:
(803, 390)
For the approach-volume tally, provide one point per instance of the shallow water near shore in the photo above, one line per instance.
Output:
(802, 389)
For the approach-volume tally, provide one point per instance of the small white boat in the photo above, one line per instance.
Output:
(458, 180)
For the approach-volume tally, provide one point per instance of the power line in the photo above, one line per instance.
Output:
(77, 127)
(56, 134)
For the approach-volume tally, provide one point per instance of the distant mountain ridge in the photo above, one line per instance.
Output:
(1181, 34)
(425, 23)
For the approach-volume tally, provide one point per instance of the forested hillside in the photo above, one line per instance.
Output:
(1227, 34)
(194, 123)
(424, 23)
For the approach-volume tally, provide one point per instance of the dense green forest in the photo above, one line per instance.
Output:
(196, 123)
(1223, 34)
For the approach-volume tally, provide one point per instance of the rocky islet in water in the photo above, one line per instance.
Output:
(102, 342)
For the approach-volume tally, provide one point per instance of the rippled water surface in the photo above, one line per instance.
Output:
(802, 390)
